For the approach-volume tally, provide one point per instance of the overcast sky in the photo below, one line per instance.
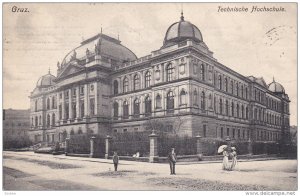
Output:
(261, 44)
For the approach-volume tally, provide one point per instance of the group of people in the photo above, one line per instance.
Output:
(230, 158)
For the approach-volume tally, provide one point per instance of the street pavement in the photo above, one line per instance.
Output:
(30, 171)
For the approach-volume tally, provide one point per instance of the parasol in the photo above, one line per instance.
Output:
(221, 148)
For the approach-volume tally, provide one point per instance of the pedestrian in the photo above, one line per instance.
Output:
(225, 159)
(116, 160)
(172, 160)
(234, 158)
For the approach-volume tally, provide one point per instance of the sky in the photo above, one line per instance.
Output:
(262, 44)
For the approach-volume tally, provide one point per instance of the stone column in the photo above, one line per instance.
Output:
(92, 145)
(107, 146)
(153, 147)
(199, 150)
(96, 98)
(70, 104)
(67, 142)
(63, 106)
(86, 100)
(78, 102)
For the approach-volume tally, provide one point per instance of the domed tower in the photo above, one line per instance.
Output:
(276, 87)
(180, 31)
(45, 80)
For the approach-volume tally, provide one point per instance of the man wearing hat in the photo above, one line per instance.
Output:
(172, 161)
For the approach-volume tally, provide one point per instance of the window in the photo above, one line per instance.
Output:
(125, 110)
(124, 130)
(79, 131)
(72, 132)
(170, 72)
(226, 85)
(53, 102)
(48, 120)
(243, 112)
(136, 108)
(227, 132)
(67, 110)
(158, 101)
(222, 134)
(210, 100)
(148, 106)
(182, 97)
(116, 87)
(204, 130)
(203, 100)
(238, 110)
(92, 106)
(220, 82)
(170, 102)
(48, 103)
(231, 84)
(239, 133)
(195, 100)
(82, 110)
(147, 79)
(233, 133)
(221, 106)
(74, 92)
(136, 82)
(202, 70)
(53, 119)
(116, 109)
(237, 89)
(232, 109)
(74, 110)
(82, 90)
(115, 131)
(246, 112)
(60, 112)
(40, 120)
(242, 89)
(35, 105)
(125, 85)
(36, 121)
(67, 94)
(227, 107)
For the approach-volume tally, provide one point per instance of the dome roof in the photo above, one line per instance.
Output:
(46, 80)
(108, 46)
(275, 87)
(182, 30)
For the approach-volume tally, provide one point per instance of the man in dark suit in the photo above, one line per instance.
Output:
(172, 160)
(116, 160)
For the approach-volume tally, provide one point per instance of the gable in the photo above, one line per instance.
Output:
(70, 69)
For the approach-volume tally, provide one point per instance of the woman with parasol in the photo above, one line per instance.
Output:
(223, 149)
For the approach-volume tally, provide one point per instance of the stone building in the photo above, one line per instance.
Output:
(16, 125)
(102, 87)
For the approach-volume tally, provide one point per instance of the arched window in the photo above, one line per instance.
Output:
(136, 82)
(227, 107)
(158, 101)
(243, 110)
(116, 87)
(182, 97)
(238, 110)
(170, 72)
(231, 85)
(226, 84)
(82, 110)
(195, 97)
(48, 103)
(170, 102)
(35, 105)
(221, 106)
(147, 79)
(36, 121)
(202, 70)
(53, 119)
(136, 108)
(53, 102)
(203, 100)
(220, 82)
(232, 109)
(116, 110)
(125, 85)
(148, 106)
(48, 120)
(125, 110)
(237, 89)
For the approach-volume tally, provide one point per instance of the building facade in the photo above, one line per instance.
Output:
(16, 125)
(102, 87)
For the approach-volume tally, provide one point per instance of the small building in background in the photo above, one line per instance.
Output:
(16, 124)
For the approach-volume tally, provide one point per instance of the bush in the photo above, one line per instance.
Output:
(129, 143)
(18, 142)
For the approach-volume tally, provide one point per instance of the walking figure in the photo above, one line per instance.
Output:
(172, 160)
(116, 160)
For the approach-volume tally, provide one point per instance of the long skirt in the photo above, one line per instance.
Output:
(225, 163)
(234, 162)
